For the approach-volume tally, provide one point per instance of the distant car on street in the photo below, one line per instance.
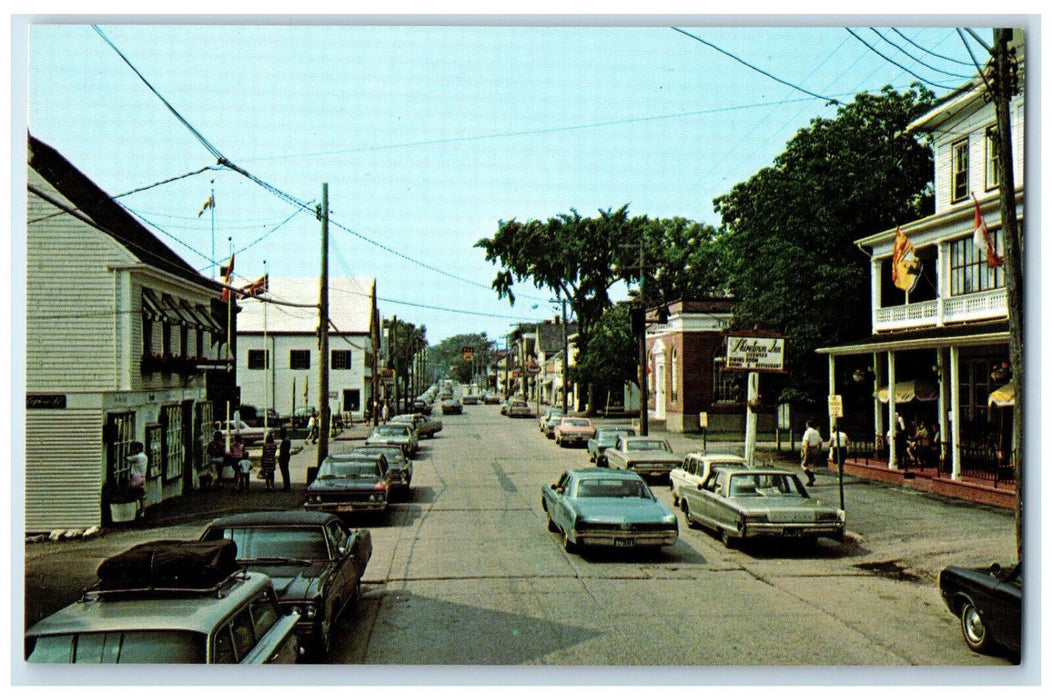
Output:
(452, 406)
(490, 398)
(517, 408)
(399, 467)
(988, 602)
(605, 437)
(650, 457)
(170, 602)
(546, 415)
(425, 427)
(696, 466)
(313, 559)
(470, 399)
(249, 435)
(573, 431)
(607, 508)
(402, 435)
(739, 504)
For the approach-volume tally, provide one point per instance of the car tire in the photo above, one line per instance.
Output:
(729, 541)
(675, 498)
(973, 627)
(552, 527)
(569, 546)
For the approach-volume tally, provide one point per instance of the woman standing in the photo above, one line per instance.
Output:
(267, 461)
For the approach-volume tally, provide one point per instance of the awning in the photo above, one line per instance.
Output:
(177, 313)
(1005, 396)
(911, 390)
(151, 307)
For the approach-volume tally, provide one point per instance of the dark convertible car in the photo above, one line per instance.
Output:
(988, 602)
(314, 560)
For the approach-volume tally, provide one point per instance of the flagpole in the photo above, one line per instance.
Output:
(270, 364)
(229, 351)
(212, 215)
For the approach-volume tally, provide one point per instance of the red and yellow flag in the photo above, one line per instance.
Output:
(905, 267)
(227, 272)
(982, 241)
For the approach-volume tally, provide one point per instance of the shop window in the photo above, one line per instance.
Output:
(959, 171)
(969, 272)
(258, 359)
(119, 434)
(172, 420)
(341, 359)
(299, 359)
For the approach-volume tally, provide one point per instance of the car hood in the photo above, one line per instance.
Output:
(327, 485)
(655, 457)
(621, 509)
(293, 581)
(787, 509)
(381, 440)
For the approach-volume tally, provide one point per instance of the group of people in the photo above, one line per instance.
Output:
(272, 455)
(812, 446)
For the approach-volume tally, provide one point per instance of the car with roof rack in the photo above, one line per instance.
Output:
(170, 601)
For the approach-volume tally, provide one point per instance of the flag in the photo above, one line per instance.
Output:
(227, 272)
(905, 267)
(306, 390)
(981, 238)
(258, 287)
(209, 204)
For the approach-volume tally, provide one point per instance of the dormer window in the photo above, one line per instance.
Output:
(959, 171)
(993, 159)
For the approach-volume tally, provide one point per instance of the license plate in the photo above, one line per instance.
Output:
(792, 531)
(345, 509)
(657, 473)
(624, 542)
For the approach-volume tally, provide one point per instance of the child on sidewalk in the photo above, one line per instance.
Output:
(244, 472)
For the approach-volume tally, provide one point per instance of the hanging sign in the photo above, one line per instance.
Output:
(752, 353)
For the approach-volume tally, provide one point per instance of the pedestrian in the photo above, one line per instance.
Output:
(810, 451)
(385, 412)
(284, 452)
(137, 465)
(838, 444)
(216, 451)
(233, 460)
(267, 462)
(244, 471)
(312, 428)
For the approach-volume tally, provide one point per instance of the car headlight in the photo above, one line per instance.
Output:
(306, 611)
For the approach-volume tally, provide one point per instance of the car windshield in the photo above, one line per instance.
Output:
(648, 445)
(577, 422)
(392, 453)
(349, 469)
(121, 647)
(277, 542)
(612, 488)
(747, 485)
(390, 431)
(726, 465)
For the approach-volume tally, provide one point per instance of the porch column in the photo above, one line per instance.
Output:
(832, 388)
(893, 457)
(878, 413)
(944, 402)
(955, 412)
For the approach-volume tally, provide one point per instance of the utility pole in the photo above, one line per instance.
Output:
(566, 355)
(323, 330)
(394, 361)
(644, 398)
(1005, 85)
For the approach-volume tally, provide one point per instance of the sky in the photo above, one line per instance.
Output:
(429, 136)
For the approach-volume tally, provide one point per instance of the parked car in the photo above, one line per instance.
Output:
(739, 504)
(470, 399)
(607, 508)
(254, 417)
(399, 434)
(347, 483)
(517, 408)
(549, 425)
(170, 602)
(452, 405)
(988, 602)
(425, 427)
(491, 398)
(301, 416)
(399, 467)
(314, 560)
(647, 456)
(573, 431)
(605, 437)
(696, 466)
(546, 415)
(249, 435)
(504, 406)
(421, 406)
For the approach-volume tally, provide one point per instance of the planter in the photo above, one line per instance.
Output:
(123, 512)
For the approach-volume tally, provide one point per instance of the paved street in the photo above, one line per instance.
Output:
(464, 572)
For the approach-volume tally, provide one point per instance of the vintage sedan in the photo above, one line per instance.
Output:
(170, 602)
(696, 466)
(240, 429)
(397, 434)
(425, 427)
(399, 467)
(546, 415)
(517, 408)
(988, 602)
(649, 457)
(452, 406)
(348, 483)
(573, 431)
(491, 398)
(605, 437)
(739, 504)
(607, 508)
(315, 562)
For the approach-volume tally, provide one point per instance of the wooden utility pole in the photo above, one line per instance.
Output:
(1005, 85)
(566, 355)
(323, 331)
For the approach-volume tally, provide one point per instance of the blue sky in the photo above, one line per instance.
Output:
(428, 136)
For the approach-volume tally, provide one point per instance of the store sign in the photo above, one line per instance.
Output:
(755, 354)
(467, 353)
(45, 401)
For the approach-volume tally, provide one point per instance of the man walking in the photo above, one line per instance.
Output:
(810, 451)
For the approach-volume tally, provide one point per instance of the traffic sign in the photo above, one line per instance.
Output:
(836, 406)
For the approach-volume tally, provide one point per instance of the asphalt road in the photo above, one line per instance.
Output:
(466, 579)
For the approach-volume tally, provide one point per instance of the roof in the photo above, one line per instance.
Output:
(350, 306)
(604, 473)
(274, 517)
(98, 208)
(993, 332)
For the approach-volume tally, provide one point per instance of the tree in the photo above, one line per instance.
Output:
(607, 358)
(788, 249)
(447, 357)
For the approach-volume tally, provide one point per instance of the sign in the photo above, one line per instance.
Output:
(703, 420)
(836, 406)
(755, 354)
(467, 353)
(45, 401)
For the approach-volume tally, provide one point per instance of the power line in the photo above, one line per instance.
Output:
(917, 60)
(929, 51)
(895, 63)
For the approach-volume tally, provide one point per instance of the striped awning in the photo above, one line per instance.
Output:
(911, 390)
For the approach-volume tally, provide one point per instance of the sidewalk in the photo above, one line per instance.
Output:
(224, 500)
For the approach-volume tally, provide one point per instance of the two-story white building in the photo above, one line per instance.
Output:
(938, 353)
(277, 345)
(120, 334)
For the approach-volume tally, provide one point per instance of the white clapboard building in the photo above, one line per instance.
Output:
(278, 363)
(120, 335)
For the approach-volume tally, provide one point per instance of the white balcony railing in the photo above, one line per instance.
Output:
(972, 307)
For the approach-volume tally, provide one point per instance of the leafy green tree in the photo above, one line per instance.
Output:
(608, 358)
(788, 250)
(446, 359)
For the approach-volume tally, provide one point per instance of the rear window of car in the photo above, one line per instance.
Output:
(121, 647)
(265, 543)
